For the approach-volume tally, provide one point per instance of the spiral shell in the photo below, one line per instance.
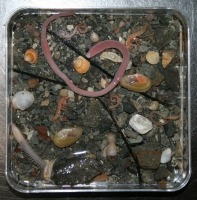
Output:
(67, 136)
(31, 56)
(22, 100)
(81, 65)
(154, 105)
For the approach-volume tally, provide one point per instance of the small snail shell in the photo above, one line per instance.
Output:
(152, 57)
(31, 56)
(154, 105)
(136, 82)
(66, 137)
(22, 100)
(94, 37)
(81, 65)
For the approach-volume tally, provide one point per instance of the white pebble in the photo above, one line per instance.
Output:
(166, 156)
(22, 100)
(70, 27)
(140, 124)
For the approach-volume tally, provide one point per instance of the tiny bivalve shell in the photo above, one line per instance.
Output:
(22, 100)
(140, 124)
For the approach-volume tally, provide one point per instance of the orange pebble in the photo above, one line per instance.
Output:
(31, 56)
(81, 65)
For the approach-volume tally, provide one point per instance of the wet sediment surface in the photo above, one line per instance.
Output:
(148, 111)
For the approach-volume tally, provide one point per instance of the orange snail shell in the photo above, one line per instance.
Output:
(136, 82)
(81, 65)
(31, 56)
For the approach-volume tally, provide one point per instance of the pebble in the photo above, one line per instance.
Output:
(71, 94)
(70, 27)
(63, 92)
(166, 156)
(169, 129)
(105, 124)
(56, 87)
(45, 102)
(161, 173)
(32, 82)
(122, 119)
(57, 55)
(136, 140)
(128, 107)
(140, 124)
(148, 176)
(148, 155)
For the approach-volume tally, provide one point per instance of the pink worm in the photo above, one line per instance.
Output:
(107, 44)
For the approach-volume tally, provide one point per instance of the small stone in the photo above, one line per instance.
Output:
(148, 155)
(71, 94)
(161, 173)
(105, 125)
(166, 156)
(130, 133)
(148, 176)
(128, 107)
(140, 124)
(169, 129)
(152, 57)
(56, 87)
(63, 92)
(45, 102)
(57, 55)
(70, 27)
(122, 119)
(136, 140)
(32, 82)
(143, 48)
(75, 77)
(46, 93)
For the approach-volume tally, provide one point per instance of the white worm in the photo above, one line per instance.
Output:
(25, 146)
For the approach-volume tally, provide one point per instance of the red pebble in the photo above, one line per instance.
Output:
(42, 131)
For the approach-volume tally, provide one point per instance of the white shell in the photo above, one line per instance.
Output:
(22, 100)
(154, 105)
(94, 37)
(110, 56)
(140, 124)
(166, 156)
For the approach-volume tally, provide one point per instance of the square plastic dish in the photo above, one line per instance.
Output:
(163, 154)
